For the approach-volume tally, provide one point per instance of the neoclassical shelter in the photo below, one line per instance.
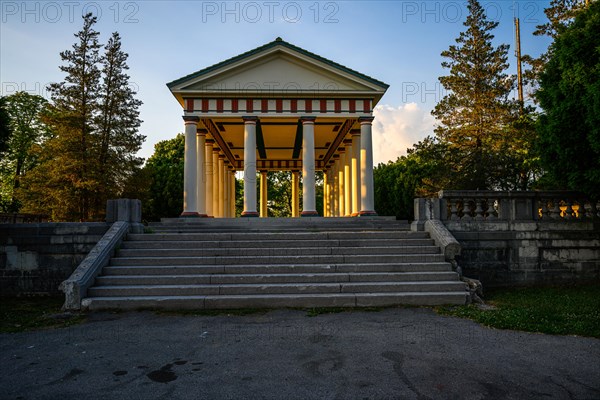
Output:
(278, 108)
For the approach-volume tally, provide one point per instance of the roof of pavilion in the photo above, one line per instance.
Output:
(277, 42)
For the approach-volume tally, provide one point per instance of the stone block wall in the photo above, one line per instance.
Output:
(36, 258)
(520, 238)
(528, 253)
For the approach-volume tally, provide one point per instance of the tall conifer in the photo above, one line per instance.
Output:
(118, 122)
(474, 115)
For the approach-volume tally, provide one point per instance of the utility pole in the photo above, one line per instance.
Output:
(518, 55)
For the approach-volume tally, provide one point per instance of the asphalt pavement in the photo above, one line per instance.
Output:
(398, 353)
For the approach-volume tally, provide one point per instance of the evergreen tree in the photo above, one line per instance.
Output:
(117, 123)
(72, 117)
(94, 121)
(475, 113)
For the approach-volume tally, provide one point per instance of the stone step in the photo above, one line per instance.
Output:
(275, 300)
(132, 280)
(276, 269)
(274, 288)
(262, 236)
(273, 229)
(189, 244)
(281, 259)
(285, 252)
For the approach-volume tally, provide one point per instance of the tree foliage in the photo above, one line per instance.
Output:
(165, 168)
(477, 119)
(4, 126)
(93, 117)
(417, 174)
(28, 132)
(569, 128)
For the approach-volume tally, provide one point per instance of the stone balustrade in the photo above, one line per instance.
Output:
(18, 218)
(462, 205)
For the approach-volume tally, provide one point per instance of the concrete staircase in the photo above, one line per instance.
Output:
(249, 262)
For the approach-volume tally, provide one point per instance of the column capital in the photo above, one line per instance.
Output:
(365, 120)
(341, 149)
(209, 142)
(216, 149)
(191, 119)
(307, 120)
(347, 142)
(355, 132)
(250, 119)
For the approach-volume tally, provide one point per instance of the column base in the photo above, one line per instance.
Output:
(309, 214)
(189, 214)
(251, 214)
(367, 214)
(355, 214)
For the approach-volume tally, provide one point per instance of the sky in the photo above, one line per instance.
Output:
(397, 42)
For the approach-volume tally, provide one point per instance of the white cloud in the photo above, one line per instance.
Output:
(397, 128)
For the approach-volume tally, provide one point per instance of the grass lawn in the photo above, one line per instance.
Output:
(565, 310)
(30, 313)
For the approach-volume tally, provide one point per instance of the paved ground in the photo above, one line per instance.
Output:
(392, 354)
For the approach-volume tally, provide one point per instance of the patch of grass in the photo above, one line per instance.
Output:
(31, 313)
(566, 310)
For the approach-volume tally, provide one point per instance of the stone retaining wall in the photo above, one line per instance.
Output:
(519, 238)
(36, 258)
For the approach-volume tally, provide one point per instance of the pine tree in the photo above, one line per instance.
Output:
(118, 122)
(474, 115)
(71, 117)
(94, 119)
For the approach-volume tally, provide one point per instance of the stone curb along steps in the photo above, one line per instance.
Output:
(273, 263)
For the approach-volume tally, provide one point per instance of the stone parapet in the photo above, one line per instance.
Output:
(519, 238)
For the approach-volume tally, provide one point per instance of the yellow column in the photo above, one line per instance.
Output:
(295, 194)
(336, 185)
(348, 182)
(263, 194)
(226, 188)
(209, 171)
(221, 185)
(355, 173)
(342, 191)
(232, 197)
(215, 176)
(325, 195)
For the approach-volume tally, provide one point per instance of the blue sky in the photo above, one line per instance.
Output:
(398, 42)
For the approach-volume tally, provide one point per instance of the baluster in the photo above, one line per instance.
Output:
(593, 209)
(453, 209)
(466, 210)
(544, 209)
(569, 210)
(581, 211)
(555, 210)
(478, 210)
(491, 211)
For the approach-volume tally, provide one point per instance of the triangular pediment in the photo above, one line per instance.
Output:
(278, 72)
(278, 68)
